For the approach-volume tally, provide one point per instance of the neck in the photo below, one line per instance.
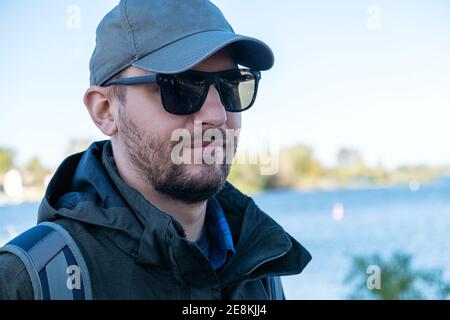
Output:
(190, 216)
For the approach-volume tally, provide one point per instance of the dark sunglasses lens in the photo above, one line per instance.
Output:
(182, 93)
(238, 88)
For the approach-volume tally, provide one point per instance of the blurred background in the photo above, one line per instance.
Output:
(348, 133)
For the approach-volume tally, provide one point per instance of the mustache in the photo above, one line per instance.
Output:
(215, 137)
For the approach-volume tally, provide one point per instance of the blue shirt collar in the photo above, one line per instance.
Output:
(216, 241)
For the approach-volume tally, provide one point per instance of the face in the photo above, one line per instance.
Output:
(144, 132)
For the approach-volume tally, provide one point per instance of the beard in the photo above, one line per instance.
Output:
(151, 158)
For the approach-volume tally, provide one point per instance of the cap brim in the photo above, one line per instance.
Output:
(186, 53)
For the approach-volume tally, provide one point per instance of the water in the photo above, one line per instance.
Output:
(15, 219)
(379, 220)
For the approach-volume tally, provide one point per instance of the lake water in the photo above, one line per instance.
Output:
(334, 226)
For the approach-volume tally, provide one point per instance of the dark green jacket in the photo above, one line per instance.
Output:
(135, 251)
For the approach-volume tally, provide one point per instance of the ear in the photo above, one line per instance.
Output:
(100, 108)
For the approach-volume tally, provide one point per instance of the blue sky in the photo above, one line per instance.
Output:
(337, 80)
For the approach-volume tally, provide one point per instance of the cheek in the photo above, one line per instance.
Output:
(143, 105)
(233, 120)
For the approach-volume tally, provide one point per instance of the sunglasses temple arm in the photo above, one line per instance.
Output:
(133, 80)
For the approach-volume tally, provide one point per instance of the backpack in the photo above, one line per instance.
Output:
(58, 271)
(53, 261)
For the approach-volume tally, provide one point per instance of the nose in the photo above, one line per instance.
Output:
(212, 113)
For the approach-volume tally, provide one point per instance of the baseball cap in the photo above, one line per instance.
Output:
(168, 36)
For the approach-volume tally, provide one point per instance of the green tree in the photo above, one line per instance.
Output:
(399, 280)
(297, 165)
(37, 171)
(350, 164)
(247, 177)
(6, 159)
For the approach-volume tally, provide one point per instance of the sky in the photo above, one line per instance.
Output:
(369, 75)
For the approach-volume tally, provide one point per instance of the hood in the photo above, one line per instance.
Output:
(87, 188)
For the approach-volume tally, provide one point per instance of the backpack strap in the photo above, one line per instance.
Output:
(53, 261)
(274, 287)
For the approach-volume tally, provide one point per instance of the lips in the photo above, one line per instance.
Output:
(204, 144)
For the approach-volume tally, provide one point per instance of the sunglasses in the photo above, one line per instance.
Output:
(184, 93)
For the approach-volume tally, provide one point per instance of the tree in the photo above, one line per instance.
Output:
(6, 159)
(247, 177)
(399, 280)
(350, 164)
(37, 171)
(298, 164)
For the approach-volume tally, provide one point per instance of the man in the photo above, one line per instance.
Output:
(150, 221)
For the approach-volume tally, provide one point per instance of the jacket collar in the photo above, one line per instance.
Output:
(263, 247)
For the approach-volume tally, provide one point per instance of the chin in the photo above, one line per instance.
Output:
(203, 169)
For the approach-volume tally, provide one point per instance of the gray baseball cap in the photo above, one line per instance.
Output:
(168, 36)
